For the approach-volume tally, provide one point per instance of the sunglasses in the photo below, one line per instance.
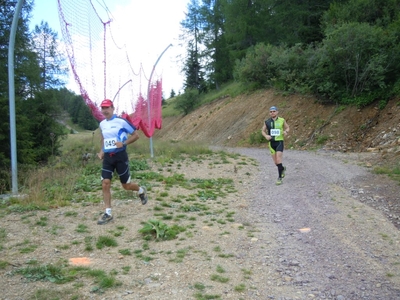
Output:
(272, 111)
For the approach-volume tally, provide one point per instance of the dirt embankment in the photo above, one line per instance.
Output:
(230, 122)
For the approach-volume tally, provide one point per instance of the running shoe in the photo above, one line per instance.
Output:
(279, 181)
(283, 172)
(143, 196)
(104, 219)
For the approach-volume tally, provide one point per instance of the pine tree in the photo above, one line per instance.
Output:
(52, 64)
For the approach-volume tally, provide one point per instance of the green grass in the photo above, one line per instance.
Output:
(3, 264)
(219, 278)
(125, 252)
(52, 273)
(392, 171)
(199, 296)
(82, 228)
(66, 180)
(240, 288)
(50, 294)
(106, 241)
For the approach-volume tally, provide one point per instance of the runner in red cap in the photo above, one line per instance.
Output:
(116, 134)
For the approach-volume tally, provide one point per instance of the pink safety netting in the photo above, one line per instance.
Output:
(148, 118)
(101, 67)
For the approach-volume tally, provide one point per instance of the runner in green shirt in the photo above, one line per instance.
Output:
(274, 130)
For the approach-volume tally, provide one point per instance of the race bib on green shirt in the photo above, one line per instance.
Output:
(275, 132)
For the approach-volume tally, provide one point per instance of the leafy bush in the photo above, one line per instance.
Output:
(293, 67)
(256, 67)
(257, 138)
(160, 230)
(188, 101)
(48, 272)
(138, 165)
(352, 62)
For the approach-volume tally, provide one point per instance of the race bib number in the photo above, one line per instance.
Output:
(110, 143)
(275, 132)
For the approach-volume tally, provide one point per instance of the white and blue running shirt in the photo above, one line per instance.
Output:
(115, 130)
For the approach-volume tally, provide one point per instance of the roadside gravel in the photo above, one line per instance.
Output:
(327, 232)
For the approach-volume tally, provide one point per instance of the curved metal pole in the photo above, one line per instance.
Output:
(121, 88)
(148, 97)
(11, 93)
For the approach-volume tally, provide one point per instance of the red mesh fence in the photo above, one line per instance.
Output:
(146, 117)
(101, 66)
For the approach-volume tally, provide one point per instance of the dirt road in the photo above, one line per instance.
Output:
(320, 237)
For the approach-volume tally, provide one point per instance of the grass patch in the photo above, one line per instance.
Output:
(199, 296)
(158, 230)
(47, 294)
(125, 252)
(3, 264)
(106, 241)
(392, 171)
(82, 228)
(219, 278)
(52, 273)
(240, 288)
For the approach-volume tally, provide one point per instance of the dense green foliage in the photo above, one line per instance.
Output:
(343, 51)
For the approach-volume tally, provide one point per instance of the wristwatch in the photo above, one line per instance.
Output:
(124, 143)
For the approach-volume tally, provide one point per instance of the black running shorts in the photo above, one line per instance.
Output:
(275, 146)
(116, 161)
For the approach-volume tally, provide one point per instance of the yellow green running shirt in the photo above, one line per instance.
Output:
(275, 128)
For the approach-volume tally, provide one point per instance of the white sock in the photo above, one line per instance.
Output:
(141, 191)
(108, 211)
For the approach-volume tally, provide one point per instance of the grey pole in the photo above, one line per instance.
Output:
(11, 93)
(148, 97)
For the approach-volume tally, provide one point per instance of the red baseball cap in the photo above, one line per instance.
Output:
(106, 103)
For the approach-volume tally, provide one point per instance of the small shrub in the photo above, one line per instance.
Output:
(3, 264)
(106, 241)
(257, 138)
(219, 278)
(187, 102)
(159, 230)
(240, 288)
(125, 252)
(322, 139)
(44, 273)
(382, 104)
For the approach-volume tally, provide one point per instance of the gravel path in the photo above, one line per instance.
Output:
(322, 233)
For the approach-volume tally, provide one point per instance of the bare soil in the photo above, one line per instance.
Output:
(330, 231)
(231, 121)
